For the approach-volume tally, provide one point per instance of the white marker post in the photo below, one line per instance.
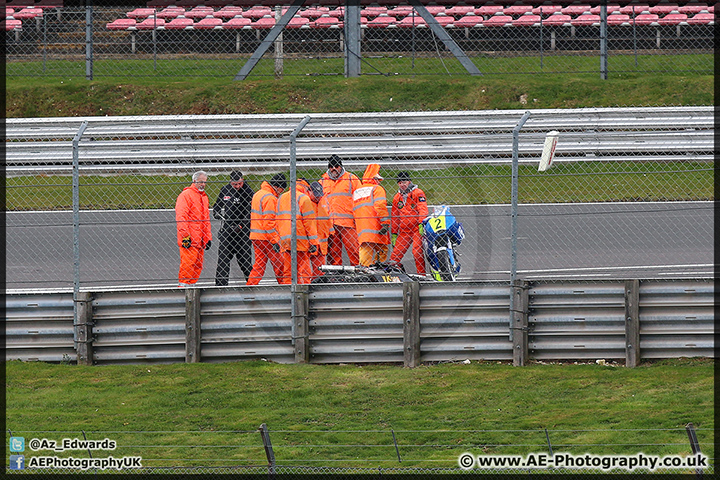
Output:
(548, 152)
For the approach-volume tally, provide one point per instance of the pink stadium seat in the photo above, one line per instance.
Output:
(436, 10)
(200, 12)
(557, 20)
(171, 12)
(256, 13)
(27, 13)
(412, 21)
(264, 23)
(180, 23)
(635, 8)
(151, 23)
(338, 12)
(702, 19)
(372, 12)
(400, 11)
(498, 21)
(468, 21)
(298, 22)
(314, 12)
(610, 9)
(619, 19)
(459, 10)
(228, 12)
(382, 21)
(646, 19)
(517, 9)
(546, 9)
(488, 10)
(237, 23)
(673, 19)
(141, 13)
(121, 24)
(664, 8)
(325, 22)
(9, 12)
(12, 24)
(575, 10)
(445, 20)
(692, 8)
(208, 23)
(527, 20)
(585, 19)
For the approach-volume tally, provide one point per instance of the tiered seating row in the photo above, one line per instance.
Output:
(263, 17)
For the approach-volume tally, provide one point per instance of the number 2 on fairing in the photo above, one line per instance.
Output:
(438, 223)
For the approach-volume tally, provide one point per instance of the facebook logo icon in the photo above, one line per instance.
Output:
(17, 462)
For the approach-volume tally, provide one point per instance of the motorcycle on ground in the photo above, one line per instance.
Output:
(441, 234)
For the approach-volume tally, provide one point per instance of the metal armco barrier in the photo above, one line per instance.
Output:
(400, 323)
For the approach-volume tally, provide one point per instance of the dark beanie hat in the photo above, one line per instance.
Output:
(317, 189)
(278, 181)
(403, 176)
(334, 161)
(236, 175)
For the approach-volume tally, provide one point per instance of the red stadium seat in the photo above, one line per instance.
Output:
(256, 13)
(338, 12)
(673, 19)
(12, 24)
(27, 13)
(208, 23)
(610, 9)
(436, 10)
(488, 10)
(468, 21)
(557, 20)
(315, 12)
(619, 19)
(693, 8)
(459, 10)
(546, 9)
(372, 12)
(635, 8)
(646, 19)
(141, 13)
(400, 11)
(445, 20)
(180, 23)
(664, 8)
(702, 19)
(228, 12)
(298, 22)
(585, 19)
(498, 21)
(237, 23)
(264, 23)
(517, 9)
(121, 24)
(412, 21)
(151, 23)
(171, 12)
(200, 12)
(9, 12)
(383, 21)
(325, 22)
(575, 10)
(527, 20)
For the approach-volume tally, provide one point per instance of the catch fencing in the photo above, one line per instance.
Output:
(264, 452)
(349, 38)
(629, 196)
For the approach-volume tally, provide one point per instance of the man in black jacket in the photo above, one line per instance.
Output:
(233, 208)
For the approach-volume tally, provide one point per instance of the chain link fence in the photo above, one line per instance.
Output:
(380, 452)
(629, 194)
(220, 39)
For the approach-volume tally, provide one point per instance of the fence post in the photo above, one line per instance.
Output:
(632, 323)
(83, 328)
(300, 320)
(513, 214)
(411, 324)
(603, 41)
(694, 445)
(265, 435)
(520, 323)
(192, 325)
(89, 41)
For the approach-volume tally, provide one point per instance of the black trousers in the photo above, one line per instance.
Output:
(233, 244)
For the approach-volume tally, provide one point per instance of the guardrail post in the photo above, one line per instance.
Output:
(265, 435)
(694, 445)
(411, 324)
(192, 325)
(632, 323)
(300, 319)
(83, 328)
(520, 323)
